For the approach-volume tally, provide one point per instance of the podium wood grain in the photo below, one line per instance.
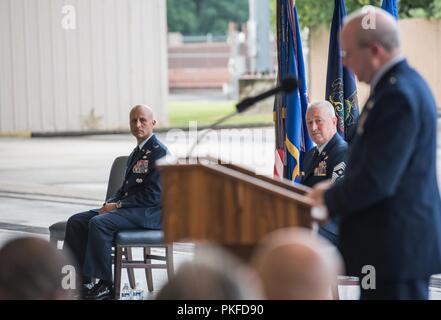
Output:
(227, 204)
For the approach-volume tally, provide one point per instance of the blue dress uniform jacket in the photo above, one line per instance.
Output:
(389, 200)
(140, 194)
(329, 165)
(89, 235)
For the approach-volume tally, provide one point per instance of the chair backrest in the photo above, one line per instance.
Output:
(116, 176)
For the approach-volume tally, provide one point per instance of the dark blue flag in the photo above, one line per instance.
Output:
(391, 7)
(292, 139)
(341, 89)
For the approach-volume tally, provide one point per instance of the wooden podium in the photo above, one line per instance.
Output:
(205, 200)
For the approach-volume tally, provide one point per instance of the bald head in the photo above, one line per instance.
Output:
(144, 109)
(294, 264)
(32, 268)
(213, 274)
(142, 122)
(369, 39)
(373, 25)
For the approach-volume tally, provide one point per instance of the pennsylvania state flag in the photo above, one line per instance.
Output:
(292, 139)
(391, 7)
(341, 89)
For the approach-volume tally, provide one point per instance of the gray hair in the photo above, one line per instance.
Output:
(324, 105)
(375, 25)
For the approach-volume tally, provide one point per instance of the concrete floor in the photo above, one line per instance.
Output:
(45, 180)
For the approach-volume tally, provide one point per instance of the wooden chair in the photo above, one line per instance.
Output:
(57, 231)
(147, 240)
(128, 239)
(343, 281)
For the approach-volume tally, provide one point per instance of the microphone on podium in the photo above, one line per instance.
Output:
(286, 85)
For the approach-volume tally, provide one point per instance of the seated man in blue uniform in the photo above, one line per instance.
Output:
(327, 160)
(89, 234)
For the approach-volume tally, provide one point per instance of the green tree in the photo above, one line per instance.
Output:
(313, 13)
(420, 8)
(198, 17)
(437, 9)
(181, 16)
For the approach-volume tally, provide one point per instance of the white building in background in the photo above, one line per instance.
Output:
(80, 65)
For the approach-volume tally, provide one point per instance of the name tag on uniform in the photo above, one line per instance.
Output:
(320, 170)
(141, 166)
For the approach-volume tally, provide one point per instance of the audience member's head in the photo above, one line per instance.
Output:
(32, 269)
(295, 264)
(213, 274)
(321, 122)
(369, 39)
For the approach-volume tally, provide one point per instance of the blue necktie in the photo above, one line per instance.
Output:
(315, 156)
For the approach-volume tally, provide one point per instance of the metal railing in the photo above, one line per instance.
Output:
(204, 38)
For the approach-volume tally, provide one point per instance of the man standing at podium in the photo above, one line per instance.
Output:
(136, 205)
(388, 201)
(328, 159)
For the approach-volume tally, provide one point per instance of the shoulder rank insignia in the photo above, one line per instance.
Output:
(338, 171)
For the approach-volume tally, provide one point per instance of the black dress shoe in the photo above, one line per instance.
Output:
(85, 289)
(101, 291)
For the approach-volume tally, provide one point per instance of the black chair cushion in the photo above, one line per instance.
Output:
(58, 227)
(128, 237)
(58, 230)
(139, 237)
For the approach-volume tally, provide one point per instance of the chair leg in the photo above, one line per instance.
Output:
(148, 271)
(55, 241)
(345, 281)
(334, 292)
(130, 271)
(169, 259)
(117, 270)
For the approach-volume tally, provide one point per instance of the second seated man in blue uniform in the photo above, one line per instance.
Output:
(327, 160)
(137, 204)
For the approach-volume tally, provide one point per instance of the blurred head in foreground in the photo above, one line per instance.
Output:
(295, 264)
(213, 274)
(34, 269)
